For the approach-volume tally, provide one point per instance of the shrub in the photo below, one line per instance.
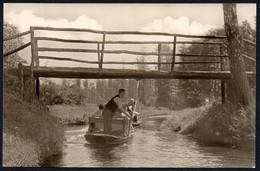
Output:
(227, 124)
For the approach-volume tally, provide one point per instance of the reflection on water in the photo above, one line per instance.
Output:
(149, 147)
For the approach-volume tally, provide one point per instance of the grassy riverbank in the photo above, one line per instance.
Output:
(30, 134)
(215, 124)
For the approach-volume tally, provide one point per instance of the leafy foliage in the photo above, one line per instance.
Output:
(11, 61)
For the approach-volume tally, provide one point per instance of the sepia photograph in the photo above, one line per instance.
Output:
(129, 85)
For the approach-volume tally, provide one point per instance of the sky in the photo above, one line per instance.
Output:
(195, 19)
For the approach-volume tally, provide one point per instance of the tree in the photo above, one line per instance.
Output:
(11, 61)
(164, 85)
(244, 94)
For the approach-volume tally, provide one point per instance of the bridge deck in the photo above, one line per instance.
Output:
(65, 72)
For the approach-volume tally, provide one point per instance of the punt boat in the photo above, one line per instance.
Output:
(121, 132)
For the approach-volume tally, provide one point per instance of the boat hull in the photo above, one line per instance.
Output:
(106, 138)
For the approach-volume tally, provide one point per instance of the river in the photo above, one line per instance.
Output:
(150, 146)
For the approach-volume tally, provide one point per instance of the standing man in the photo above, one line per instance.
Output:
(114, 105)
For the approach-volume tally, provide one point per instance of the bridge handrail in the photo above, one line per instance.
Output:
(17, 35)
(247, 57)
(126, 32)
(124, 42)
(122, 51)
(249, 42)
(18, 48)
(102, 51)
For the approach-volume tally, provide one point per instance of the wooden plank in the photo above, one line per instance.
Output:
(173, 53)
(195, 42)
(17, 35)
(156, 63)
(67, 59)
(67, 72)
(121, 52)
(127, 32)
(118, 62)
(249, 42)
(123, 42)
(248, 57)
(58, 72)
(16, 50)
(244, 55)
(207, 55)
(102, 52)
(159, 57)
(95, 51)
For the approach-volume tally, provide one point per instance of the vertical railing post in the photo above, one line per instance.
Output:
(159, 56)
(173, 53)
(222, 82)
(33, 56)
(35, 60)
(98, 48)
(21, 79)
(102, 52)
(32, 47)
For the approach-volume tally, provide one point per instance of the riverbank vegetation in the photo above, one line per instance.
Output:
(31, 135)
(215, 124)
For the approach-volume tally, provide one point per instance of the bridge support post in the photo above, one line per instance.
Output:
(223, 83)
(223, 91)
(37, 87)
(159, 56)
(173, 53)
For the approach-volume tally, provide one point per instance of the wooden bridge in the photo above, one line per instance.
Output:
(96, 68)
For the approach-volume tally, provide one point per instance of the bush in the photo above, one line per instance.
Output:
(52, 94)
(227, 124)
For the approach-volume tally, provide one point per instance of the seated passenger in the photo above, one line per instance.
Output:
(130, 107)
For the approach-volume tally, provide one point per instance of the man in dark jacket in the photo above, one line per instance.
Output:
(114, 105)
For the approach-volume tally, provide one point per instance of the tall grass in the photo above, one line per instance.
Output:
(31, 133)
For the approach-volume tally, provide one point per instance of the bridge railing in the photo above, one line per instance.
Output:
(19, 47)
(101, 50)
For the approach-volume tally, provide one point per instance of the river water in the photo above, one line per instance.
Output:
(150, 146)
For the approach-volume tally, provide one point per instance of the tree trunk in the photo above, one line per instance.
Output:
(237, 66)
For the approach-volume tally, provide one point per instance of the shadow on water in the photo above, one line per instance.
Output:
(105, 154)
(150, 146)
